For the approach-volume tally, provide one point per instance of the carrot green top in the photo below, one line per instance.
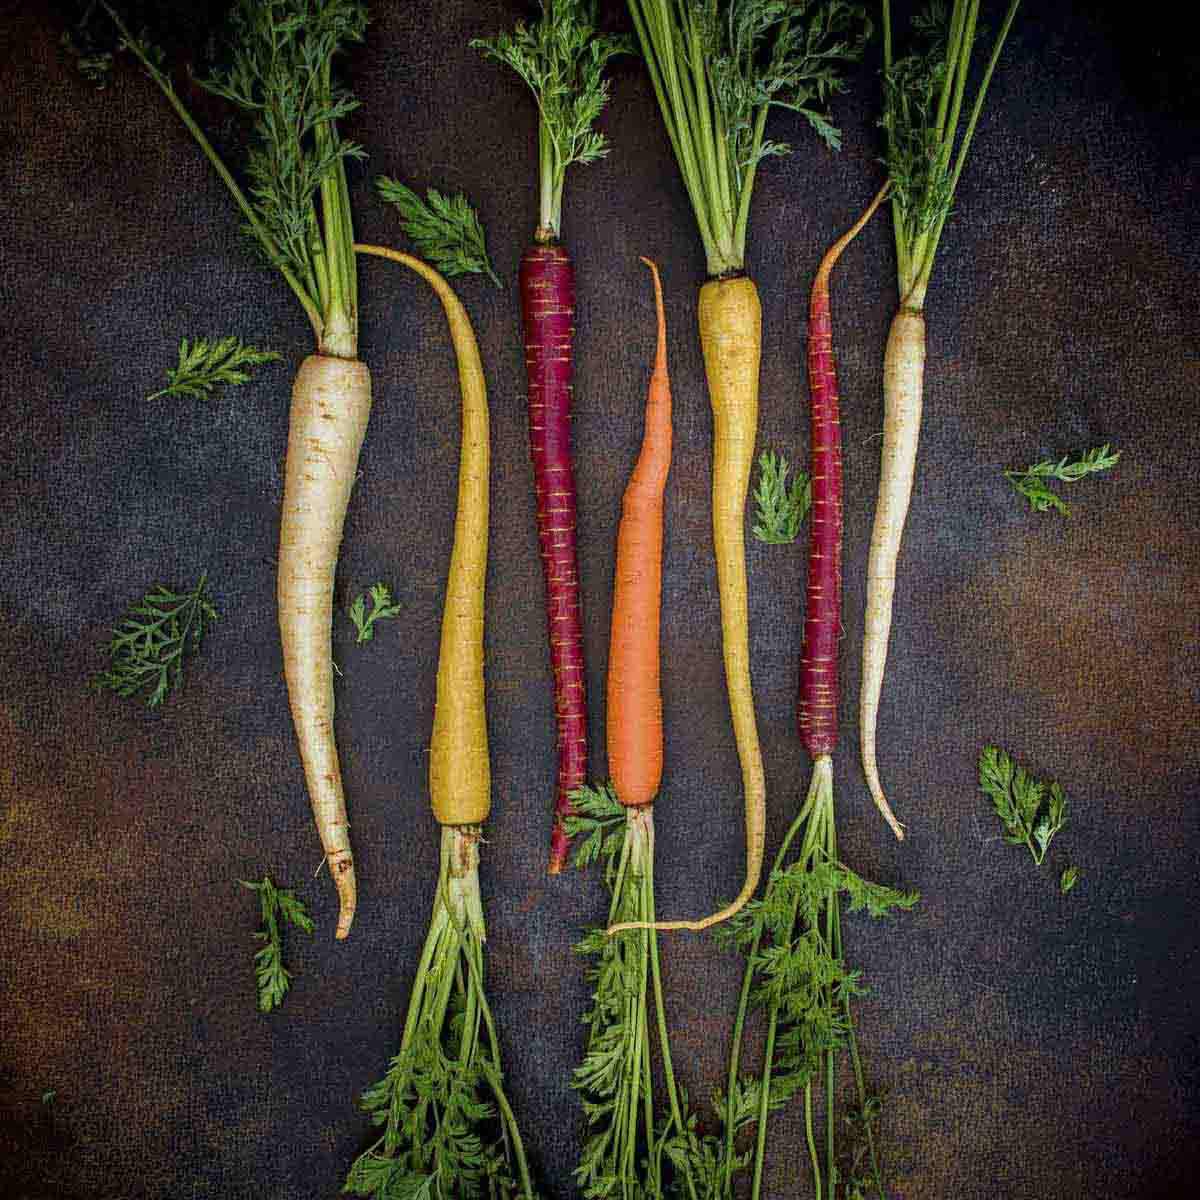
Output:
(562, 58)
(717, 67)
(298, 207)
(922, 106)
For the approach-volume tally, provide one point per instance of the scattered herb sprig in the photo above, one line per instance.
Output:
(205, 365)
(781, 508)
(445, 229)
(1030, 482)
(381, 608)
(1032, 811)
(277, 904)
(149, 647)
(1068, 880)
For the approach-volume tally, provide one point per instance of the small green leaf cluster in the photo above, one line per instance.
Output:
(1030, 482)
(149, 647)
(276, 903)
(781, 508)
(1031, 810)
(206, 364)
(561, 57)
(382, 608)
(597, 826)
(445, 229)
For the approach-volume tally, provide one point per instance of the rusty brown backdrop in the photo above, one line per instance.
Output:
(1030, 1047)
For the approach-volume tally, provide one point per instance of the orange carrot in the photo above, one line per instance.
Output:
(635, 732)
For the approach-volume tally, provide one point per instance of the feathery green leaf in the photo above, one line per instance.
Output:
(781, 509)
(445, 229)
(205, 365)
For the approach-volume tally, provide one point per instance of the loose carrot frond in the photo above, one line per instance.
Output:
(277, 905)
(1029, 482)
(149, 648)
(445, 229)
(1031, 810)
(781, 508)
(381, 608)
(205, 365)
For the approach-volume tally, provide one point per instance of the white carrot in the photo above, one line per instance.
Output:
(923, 103)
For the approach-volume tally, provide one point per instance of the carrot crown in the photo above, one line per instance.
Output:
(717, 68)
(923, 95)
(562, 58)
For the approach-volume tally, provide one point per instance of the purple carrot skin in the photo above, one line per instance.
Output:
(548, 311)
(818, 710)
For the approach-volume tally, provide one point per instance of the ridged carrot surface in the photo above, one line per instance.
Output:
(547, 281)
(634, 715)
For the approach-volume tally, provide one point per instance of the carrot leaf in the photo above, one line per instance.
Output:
(205, 365)
(561, 57)
(149, 647)
(445, 229)
(1068, 880)
(272, 977)
(781, 509)
(1031, 810)
(717, 68)
(381, 608)
(1030, 482)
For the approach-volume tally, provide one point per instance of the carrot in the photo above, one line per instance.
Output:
(619, 1158)
(449, 1045)
(635, 727)
(923, 104)
(281, 60)
(803, 982)
(561, 57)
(704, 65)
(331, 401)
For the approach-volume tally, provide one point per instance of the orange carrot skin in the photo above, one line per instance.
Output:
(635, 728)
(547, 280)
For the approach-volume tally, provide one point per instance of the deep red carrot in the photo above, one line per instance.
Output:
(823, 606)
(548, 311)
(818, 709)
(561, 56)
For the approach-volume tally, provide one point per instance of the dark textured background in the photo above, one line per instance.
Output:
(1031, 1047)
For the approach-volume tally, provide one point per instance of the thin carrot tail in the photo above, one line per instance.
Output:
(903, 375)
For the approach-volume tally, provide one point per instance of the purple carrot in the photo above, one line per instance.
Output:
(548, 310)
(818, 716)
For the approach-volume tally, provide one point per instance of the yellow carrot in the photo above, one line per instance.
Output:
(731, 338)
(459, 769)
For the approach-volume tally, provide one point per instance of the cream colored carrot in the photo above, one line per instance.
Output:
(903, 376)
(331, 400)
